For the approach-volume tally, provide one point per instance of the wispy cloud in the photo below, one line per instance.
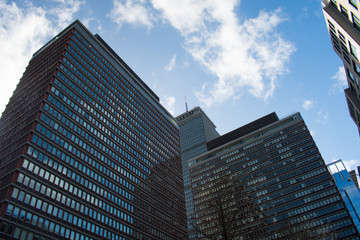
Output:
(131, 12)
(340, 81)
(322, 117)
(22, 32)
(248, 54)
(351, 164)
(154, 86)
(64, 12)
(308, 104)
(170, 66)
(92, 21)
(169, 103)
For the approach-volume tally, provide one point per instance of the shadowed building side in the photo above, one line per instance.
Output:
(283, 187)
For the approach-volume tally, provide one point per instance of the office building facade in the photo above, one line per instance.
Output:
(86, 149)
(267, 180)
(195, 129)
(347, 187)
(343, 22)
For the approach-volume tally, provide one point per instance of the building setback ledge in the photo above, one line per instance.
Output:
(242, 131)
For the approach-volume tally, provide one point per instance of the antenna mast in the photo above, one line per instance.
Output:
(186, 106)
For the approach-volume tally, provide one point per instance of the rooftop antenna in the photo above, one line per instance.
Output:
(186, 106)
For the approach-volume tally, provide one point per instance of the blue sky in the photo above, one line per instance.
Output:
(238, 60)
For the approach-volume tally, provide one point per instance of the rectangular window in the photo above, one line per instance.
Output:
(342, 37)
(33, 201)
(356, 21)
(332, 27)
(353, 50)
(34, 220)
(353, 3)
(346, 56)
(356, 68)
(15, 193)
(351, 76)
(344, 11)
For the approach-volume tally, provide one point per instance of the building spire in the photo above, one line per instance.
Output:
(186, 106)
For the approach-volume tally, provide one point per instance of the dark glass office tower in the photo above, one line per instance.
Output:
(267, 180)
(196, 129)
(86, 149)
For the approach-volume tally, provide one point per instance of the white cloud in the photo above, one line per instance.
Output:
(65, 11)
(340, 81)
(169, 103)
(351, 164)
(322, 117)
(308, 104)
(22, 32)
(249, 54)
(132, 12)
(185, 64)
(91, 21)
(187, 16)
(170, 66)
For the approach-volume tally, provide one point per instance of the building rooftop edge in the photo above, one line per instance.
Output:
(230, 144)
(193, 109)
(242, 131)
(141, 82)
(116, 57)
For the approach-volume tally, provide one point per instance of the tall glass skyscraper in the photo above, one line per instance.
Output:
(86, 149)
(267, 180)
(196, 129)
(349, 192)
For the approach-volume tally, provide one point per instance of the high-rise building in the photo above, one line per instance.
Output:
(343, 22)
(86, 149)
(267, 180)
(196, 129)
(349, 192)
